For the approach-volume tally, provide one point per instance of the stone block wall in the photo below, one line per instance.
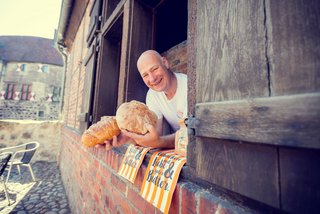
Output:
(47, 133)
(33, 110)
(40, 106)
(32, 76)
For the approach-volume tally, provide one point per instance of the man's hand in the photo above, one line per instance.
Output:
(150, 139)
(117, 141)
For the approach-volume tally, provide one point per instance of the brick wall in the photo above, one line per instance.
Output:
(93, 186)
(90, 174)
(75, 73)
(177, 57)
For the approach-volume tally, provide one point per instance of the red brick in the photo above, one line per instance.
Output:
(115, 161)
(106, 174)
(95, 164)
(108, 157)
(118, 184)
(97, 188)
(140, 176)
(174, 207)
(96, 197)
(207, 203)
(92, 170)
(108, 199)
(103, 182)
(139, 202)
(121, 202)
(188, 200)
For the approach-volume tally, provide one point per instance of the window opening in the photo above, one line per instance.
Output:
(171, 23)
(111, 5)
(56, 94)
(26, 91)
(41, 113)
(108, 75)
(11, 89)
(21, 67)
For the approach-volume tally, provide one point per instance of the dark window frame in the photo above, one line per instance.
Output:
(10, 91)
(56, 93)
(26, 91)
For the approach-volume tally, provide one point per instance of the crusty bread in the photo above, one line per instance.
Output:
(103, 130)
(133, 116)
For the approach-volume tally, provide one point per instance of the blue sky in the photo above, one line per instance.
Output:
(29, 17)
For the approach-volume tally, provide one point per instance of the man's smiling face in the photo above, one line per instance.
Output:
(154, 71)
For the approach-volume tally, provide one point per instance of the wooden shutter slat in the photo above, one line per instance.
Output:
(284, 120)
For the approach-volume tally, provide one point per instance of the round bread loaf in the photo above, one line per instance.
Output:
(103, 130)
(134, 115)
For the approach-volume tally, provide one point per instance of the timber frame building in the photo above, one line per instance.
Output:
(253, 99)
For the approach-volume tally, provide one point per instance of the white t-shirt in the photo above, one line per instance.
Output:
(172, 110)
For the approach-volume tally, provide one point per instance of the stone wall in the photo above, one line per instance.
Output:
(33, 110)
(47, 133)
(40, 104)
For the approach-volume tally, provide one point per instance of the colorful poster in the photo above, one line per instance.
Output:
(132, 161)
(161, 178)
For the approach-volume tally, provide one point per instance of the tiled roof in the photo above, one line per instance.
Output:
(29, 49)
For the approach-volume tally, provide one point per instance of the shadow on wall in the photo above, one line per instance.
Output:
(47, 133)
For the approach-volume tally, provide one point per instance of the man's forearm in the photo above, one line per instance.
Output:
(166, 141)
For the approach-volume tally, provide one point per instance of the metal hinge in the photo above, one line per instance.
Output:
(97, 48)
(90, 118)
(192, 123)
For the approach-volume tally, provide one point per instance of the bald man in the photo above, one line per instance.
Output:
(167, 97)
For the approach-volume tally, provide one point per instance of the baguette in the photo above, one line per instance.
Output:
(133, 116)
(103, 130)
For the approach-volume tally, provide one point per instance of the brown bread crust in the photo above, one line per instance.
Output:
(103, 130)
(133, 116)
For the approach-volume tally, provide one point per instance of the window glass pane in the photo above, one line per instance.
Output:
(45, 68)
(56, 94)
(23, 67)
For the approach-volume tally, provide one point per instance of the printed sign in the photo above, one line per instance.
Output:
(132, 162)
(161, 178)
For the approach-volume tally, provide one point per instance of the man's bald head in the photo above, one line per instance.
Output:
(155, 72)
(147, 56)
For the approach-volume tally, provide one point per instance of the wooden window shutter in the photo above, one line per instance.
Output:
(85, 117)
(95, 21)
(257, 99)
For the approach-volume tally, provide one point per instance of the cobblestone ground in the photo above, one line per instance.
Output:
(45, 196)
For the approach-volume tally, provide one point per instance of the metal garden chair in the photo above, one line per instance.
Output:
(4, 160)
(22, 155)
